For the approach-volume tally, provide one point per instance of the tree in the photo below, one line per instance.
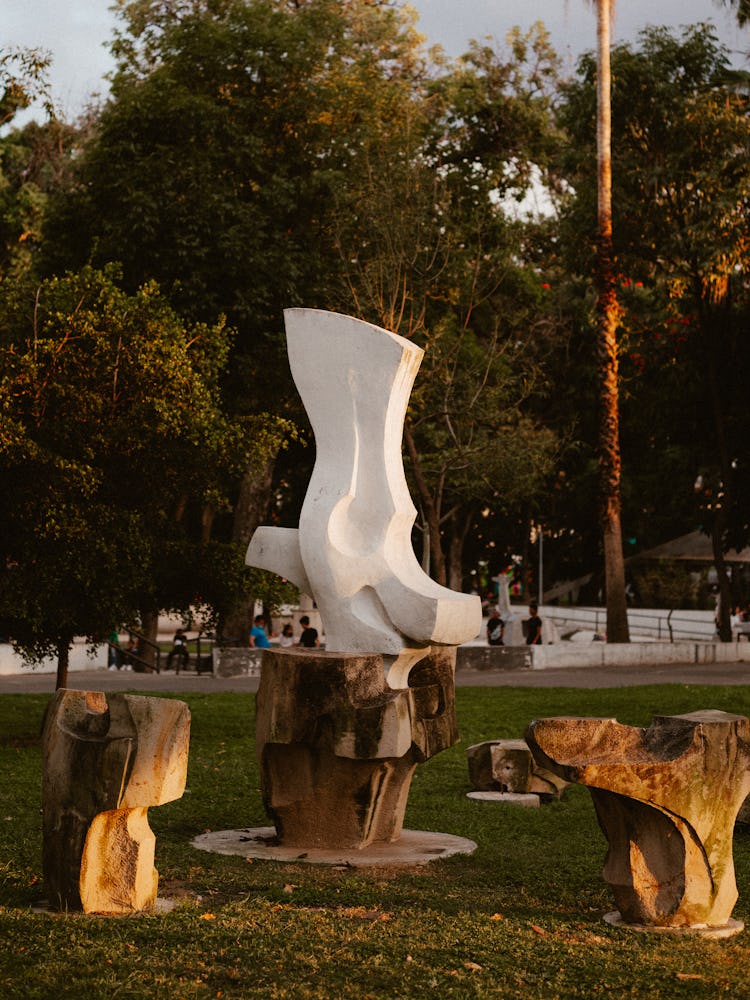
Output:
(681, 231)
(213, 167)
(115, 456)
(608, 315)
(429, 250)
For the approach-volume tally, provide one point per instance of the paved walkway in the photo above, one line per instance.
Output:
(585, 677)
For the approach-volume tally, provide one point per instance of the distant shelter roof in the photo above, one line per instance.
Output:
(693, 547)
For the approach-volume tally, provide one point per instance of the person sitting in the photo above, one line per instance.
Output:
(179, 649)
(495, 628)
(287, 636)
(309, 636)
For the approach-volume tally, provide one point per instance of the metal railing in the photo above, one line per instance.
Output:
(135, 660)
(665, 625)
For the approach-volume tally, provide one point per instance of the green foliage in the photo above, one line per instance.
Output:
(23, 80)
(680, 192)
(116, 455)
(522, 916)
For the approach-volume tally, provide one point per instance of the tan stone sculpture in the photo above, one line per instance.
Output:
(338, 747)
(666, 798)
(105, 761)
(508, 767)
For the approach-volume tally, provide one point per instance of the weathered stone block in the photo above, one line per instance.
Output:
(508, 766)
(105, 761)
(338, 746)
(666, 798)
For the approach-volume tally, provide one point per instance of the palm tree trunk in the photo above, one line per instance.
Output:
(607, 321)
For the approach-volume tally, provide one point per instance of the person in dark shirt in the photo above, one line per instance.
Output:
(179, 649)
(533, 627)
(309, 637)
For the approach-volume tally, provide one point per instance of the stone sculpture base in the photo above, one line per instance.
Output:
(414, 847)
(338, 747)
(528, 800)
(730, 929)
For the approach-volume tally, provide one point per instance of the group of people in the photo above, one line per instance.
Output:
(532, 627)
(260, 639)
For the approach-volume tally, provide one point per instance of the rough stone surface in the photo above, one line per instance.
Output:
(508, 766)
(105, 761)
(338, 746)
(352, 551)
(666, 798)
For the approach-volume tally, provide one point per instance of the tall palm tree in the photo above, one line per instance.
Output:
(608, 314)
(742, 7)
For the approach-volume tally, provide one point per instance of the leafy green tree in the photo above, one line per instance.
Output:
(116, 457)
(213, 167)
(430, 251)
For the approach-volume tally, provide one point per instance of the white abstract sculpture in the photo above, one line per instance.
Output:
(352, 551)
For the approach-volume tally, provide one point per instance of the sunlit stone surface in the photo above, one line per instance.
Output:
(666, 798)
(338, 747)
(106, 759)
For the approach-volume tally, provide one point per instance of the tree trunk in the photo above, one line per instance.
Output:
(459, 531)
(723, 503)
(607, 321)
(63, 659)
(431, 512)
(724, 609)
(150, 627)
(249, 513)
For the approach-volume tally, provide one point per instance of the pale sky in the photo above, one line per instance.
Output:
(75, 31)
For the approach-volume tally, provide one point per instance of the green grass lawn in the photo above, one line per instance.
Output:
(522, 917)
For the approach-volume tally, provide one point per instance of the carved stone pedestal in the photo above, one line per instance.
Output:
(338, 747)
(666, 799)
(105, 761)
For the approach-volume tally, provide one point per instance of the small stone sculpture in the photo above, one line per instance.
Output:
(507, 767)
(338, 748)
(666, 799)
(105, 761)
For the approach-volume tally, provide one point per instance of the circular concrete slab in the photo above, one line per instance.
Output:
(528, 799)
(414, 847)
(731, 928)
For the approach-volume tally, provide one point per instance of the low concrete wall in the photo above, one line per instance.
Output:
(494, 658)
(231, 662)
(12, 663)
(604, 654)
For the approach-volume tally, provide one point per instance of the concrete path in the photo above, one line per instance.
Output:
(585, 677)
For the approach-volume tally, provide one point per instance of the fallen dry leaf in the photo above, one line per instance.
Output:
(497, 916)
(688, 975)
(473, 966)
(539, 930)
(208, 916)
